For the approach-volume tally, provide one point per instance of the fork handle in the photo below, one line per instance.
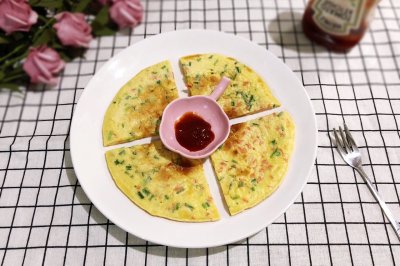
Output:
(389, 215)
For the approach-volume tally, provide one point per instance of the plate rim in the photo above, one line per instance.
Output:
(163, 241)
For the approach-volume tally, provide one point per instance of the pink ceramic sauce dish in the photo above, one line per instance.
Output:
(205, 107)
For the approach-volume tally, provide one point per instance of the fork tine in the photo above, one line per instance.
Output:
(350, 138)
(337, 139)
(339, 144)
(344, 140)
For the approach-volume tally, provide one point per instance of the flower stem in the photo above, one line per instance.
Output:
(42, 18)
(42, 28)
(14, 77)
(16, 50)
(14, 60)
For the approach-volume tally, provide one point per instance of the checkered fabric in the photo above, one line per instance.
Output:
(46, 218)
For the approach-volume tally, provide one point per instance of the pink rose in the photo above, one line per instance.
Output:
(72, 29)
(126, 13)
(42, 64)
(16, 15)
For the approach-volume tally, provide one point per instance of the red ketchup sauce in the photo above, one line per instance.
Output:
(193, 132)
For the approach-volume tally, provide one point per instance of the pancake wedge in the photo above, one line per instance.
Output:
(254, 160)
(246, 94)
(135, 112)
(162, 182)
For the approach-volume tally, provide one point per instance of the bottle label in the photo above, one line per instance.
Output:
(338, 17)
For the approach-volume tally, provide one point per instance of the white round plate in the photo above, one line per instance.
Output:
(87, 151)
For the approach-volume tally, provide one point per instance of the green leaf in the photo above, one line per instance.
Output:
(69, 53)
(102, 25)
(58, 46)
(103, 31)
(81, 6)
(10, 86)
(18, 36)
(65, 56)
(4, 40)
(102, 17)
(2, 75)
(46, 36)
(47, 3)
(33, 2)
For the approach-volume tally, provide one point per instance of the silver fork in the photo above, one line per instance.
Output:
(348, 149)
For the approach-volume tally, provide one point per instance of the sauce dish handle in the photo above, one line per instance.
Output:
(220, 88)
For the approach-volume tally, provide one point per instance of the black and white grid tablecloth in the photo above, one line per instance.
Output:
(46, 218)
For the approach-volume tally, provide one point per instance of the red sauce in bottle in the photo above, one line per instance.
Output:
(193, 132)
(337, 24)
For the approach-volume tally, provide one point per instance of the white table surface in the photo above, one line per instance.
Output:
(45, 217)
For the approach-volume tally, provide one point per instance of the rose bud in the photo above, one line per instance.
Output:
(16, 15)
(43, 64)
(72, 29)
(126, 13)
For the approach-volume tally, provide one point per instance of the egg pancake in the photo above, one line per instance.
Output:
(247, 92)
(135, 112)
(162, 182)
(253, 161)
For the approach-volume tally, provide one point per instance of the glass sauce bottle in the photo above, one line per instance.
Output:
(338, 24)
